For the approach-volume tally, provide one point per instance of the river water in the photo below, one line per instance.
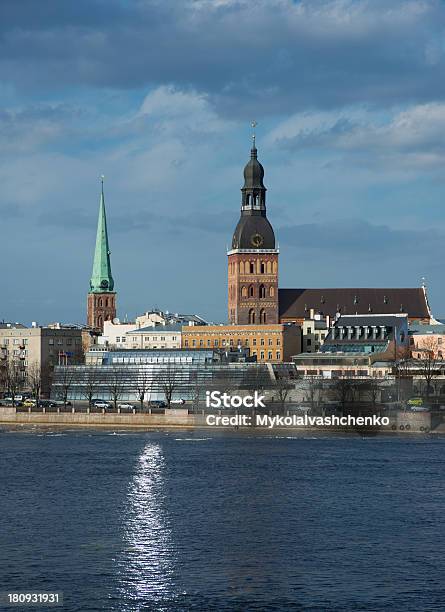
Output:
(132, 521)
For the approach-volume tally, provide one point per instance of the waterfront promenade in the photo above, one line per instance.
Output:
(398, 421)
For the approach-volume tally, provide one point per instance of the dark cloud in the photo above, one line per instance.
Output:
(275, 55)
(362, 240)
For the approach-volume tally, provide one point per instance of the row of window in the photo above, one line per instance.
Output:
(231, 342)
(253, 317)
(269, 355)
(24, 341)
(262, 291)
(104, 302)
(254, 267)
(147, 339)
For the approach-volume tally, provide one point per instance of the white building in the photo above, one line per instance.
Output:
(158, 337)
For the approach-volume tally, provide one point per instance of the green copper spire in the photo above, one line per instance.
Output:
(101, 279)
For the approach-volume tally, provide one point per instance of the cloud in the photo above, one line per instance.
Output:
(412, 137)
(362, 240)
(273, 56)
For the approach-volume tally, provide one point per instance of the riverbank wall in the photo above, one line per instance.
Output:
(399, 422)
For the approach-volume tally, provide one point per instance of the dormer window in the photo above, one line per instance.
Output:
(355, 299)
(385, 299)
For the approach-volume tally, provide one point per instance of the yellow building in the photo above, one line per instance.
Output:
(270, 343)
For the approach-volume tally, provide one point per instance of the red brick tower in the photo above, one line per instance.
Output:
(253, 258)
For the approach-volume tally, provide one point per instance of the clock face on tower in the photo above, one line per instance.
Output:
(104, 284)
(257, 240)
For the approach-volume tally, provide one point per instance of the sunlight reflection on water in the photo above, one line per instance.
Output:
(145, 565)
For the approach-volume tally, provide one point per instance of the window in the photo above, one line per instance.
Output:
(118, 339)
(269, 342)
(309, 330)
(193, 342)
(262, 291)
(186, 343)
(251, 316)
(216, 343)
(51, 341)
(231, 341)
(25, 341)
(69, 341)
(271, 291)
(278, 355)
(251, 291)
(6, 341)
(262, 355)
(308, 342)
(262, 316)
(263, 268)
(201, 343)
(60, 341)
(174, 338)
(208, 342)
(262, 342)
(244, 292)
(269, 355)
(162, 338)
(254, 342)
(15, 341)
(78, 341)
(278, 342)
(247, 342)
(223, 342)
(124, 339)
(252, 267)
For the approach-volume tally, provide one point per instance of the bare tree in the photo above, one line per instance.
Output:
(90, 384)
(283, 387)
(314, 386)
(343, 391)
(65, 377)
(429, 362)
(14, 378)
(34, 378)
(117, 377)
(143, 385)
(168, 381)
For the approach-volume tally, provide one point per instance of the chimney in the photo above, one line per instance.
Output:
(311, 313)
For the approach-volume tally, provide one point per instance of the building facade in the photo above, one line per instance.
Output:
(187, 374)
(268, 343)
(157, 337)
(253, 257)
(38, 349)
(101, 301)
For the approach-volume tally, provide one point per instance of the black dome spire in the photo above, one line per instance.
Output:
(253, 230)
(253, 172)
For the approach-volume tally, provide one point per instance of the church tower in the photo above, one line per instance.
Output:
(253, 258)
(101, 303)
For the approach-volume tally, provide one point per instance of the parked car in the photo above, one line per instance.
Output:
(102, 404)
(178, 401)
(419, 408)
(126, 406)
(29, 402)
(9, 402)
(415, 401)
(45, 403)
(157, 404)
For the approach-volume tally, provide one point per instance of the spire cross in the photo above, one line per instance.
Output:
(253, 124)
(102, 178)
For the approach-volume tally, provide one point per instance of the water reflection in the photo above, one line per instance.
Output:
(145, 566)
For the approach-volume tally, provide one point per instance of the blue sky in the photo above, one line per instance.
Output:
(158, 95)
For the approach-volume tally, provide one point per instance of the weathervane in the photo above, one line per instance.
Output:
(253, 124)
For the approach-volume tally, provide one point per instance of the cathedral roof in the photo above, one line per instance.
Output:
(297, 303)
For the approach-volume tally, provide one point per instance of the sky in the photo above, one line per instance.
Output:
(159, 95)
